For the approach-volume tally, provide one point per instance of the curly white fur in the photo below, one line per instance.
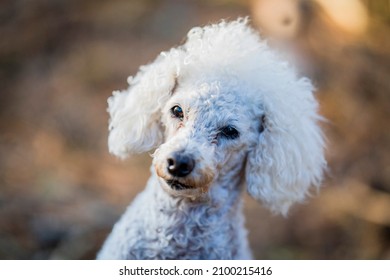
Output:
(224, 75)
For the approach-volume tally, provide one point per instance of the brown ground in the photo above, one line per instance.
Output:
(60, 190)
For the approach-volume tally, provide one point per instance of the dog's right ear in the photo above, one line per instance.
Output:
(134, 125)
(288, 157)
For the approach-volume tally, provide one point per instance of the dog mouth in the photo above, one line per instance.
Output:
(178, 186)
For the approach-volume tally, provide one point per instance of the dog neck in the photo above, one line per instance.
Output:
(168, 227)
(197, 224)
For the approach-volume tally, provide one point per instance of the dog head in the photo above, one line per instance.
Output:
(222, 107)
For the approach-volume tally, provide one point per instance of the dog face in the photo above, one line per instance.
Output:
(222, 106)
(209, 128)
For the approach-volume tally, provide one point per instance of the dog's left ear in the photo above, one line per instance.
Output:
(135, 113)
(289, 155)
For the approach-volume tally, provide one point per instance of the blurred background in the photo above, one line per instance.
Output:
(60, 190)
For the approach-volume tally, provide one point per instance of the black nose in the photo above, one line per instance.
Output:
(180, 165)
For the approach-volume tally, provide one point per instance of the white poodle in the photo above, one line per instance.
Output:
(225, 113)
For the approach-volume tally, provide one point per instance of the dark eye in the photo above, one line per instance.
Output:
(177, 112)
(229, 132)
